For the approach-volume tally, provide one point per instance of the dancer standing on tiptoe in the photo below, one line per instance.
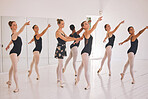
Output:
(15, 52)
(132, 50)
(37, 50)
(86, 50)
(111, 38)
(74, 48)
(60, 51)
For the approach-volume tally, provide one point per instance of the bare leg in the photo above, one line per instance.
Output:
(67, 61)
(74, 55)
(125, 67)
(109, 53)
(14, 60)
(131, 62)
(102, 62)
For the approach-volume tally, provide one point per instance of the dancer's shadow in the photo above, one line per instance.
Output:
(106, 89)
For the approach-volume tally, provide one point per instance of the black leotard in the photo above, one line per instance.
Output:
(88, 45)
(38, 44)
(111, 41)
(75, 35)
(134, 46)
(17, 46)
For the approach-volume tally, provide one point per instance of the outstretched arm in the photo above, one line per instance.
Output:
(140, 32)
(8, 46)
(95, 25)
(125, 40)
(79, 31)
(22, 28)
(44, 31)
(31, 41)
(116, 27)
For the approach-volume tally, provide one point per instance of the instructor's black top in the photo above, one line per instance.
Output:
(111, 41)
(88, 45)
(134, 46)
(38, 44)
(17, 46)
(75, 35)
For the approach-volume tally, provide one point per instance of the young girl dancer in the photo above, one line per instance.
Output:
(37, 50)
(60, 52)
(132, 50)
(74, 48)
(111, 38)
(15, 52)
(86, 50)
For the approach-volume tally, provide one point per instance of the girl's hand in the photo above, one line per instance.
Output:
(122, 22)
(49, 25)
(104, 41)
(120, 43)
(27, 23)
(100, 18)
(7, 48)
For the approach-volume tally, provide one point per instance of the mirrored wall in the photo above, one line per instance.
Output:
(48, 39)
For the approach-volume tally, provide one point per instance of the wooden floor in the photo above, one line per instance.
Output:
(102, 86)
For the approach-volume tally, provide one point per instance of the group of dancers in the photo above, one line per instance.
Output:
(61, 52)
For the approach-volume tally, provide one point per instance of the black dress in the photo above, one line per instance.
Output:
(38, 44)
(60, 51)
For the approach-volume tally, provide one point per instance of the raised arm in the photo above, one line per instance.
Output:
(125, 40)
(95, 25)
(44, 31)
(79, 31)
(140, 32)
(22, 28)
(31, 41)
(116, 27)
(8, 46)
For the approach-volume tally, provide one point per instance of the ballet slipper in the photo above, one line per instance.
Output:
(133, 82)
(99, 70)
(88, 87)
(29, 73)
(9, 83)
(16, 90)
(122, 75)
(76, 81)
(38, 78)
(63, 70)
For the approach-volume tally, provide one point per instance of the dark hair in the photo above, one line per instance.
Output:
(72, 27)
(10, 23)
(59, 21)
(129, 28)
(82, 24)
(34, 26)
(105, 26)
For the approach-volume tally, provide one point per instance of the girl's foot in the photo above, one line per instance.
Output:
(63, 70)
(99, 70)
(122, 75)
(75, 74)
(29, 73)
(9, 83)
(76, 81)
(133, 82)
(38, 77)
(61, 84)
(109, 74)
(16, 90)
(86, 88)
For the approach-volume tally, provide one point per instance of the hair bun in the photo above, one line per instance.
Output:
(58, 19)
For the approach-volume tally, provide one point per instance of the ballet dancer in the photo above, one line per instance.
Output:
(111, 38)
(37, 50)
(74, 48)
(60, 51)
(15, 52)
(132, 50)
(86, 50)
